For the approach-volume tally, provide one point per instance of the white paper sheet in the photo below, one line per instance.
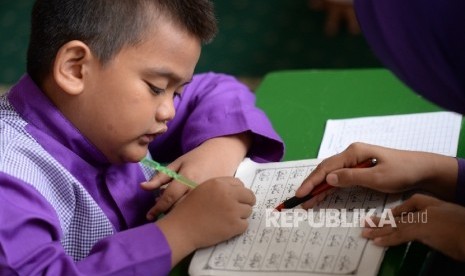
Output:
(436, 132)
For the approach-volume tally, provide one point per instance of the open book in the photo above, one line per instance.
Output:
(311, 247)
(319, 242)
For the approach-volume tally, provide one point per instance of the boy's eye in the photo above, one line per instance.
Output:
(155, 90)
(178, 91)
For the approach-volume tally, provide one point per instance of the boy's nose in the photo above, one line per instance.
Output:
(166, 111)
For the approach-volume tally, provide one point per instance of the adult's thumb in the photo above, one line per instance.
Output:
(348, 177)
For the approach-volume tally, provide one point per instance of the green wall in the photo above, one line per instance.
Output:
(256, 36)
(14, 35)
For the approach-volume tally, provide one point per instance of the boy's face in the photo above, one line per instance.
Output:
(126, 103)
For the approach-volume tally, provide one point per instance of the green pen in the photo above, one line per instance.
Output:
(157, 166)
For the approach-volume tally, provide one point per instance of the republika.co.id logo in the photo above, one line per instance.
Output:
(339, 218)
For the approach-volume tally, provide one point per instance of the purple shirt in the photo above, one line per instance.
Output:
(423, 43)
(66, 211)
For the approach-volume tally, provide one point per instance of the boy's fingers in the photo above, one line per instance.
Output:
(245, 210)
(160, 179)
(151, 214)
(170, 196)
(247, 197)
(156, 182)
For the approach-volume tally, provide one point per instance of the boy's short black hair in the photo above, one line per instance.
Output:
(107, 26)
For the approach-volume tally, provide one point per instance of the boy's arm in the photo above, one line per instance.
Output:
(216, 125)
(215, 105)
(30, 235)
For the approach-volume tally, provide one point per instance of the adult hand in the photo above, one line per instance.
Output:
(395, 171)
(422, 218)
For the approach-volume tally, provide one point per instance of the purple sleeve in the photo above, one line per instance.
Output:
(214, 105)
(460, 190)
(30, 236)
(422, 43)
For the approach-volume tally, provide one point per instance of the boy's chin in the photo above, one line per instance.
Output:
(135, 156)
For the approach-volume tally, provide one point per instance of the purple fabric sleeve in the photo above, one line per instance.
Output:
(422, 43)
(146, 244)
(30, 233)
(214, 105)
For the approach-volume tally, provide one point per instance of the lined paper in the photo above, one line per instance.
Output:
(436, 132)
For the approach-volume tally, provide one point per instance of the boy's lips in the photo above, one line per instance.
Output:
(151, 136)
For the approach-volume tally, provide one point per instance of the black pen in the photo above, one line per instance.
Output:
(294, 201)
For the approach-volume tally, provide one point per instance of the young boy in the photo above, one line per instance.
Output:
(102, 79)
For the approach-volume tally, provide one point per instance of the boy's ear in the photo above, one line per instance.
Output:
(72, 62)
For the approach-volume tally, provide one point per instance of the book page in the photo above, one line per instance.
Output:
(305, 249)
(436, 132)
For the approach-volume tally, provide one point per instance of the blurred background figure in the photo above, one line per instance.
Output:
(339, 13)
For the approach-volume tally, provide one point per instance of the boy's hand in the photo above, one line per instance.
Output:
(431, 221)
(214, 158)
(213, 212)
